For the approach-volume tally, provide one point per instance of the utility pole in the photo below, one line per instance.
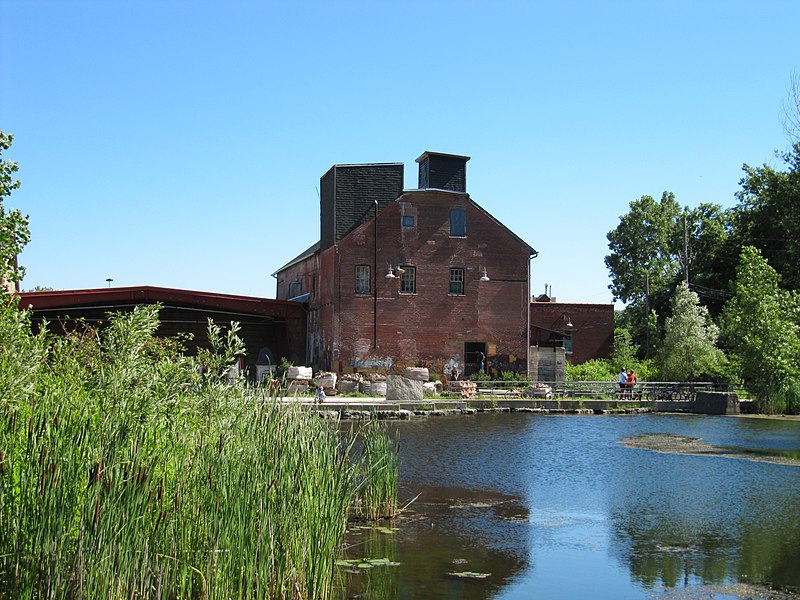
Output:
(685, 251)
(647, 315)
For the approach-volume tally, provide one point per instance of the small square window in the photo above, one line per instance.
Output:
(408, 220)
(363, 279)
(456, 282)
(408, 280)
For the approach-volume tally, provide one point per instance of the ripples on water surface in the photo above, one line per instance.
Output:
(532, 506)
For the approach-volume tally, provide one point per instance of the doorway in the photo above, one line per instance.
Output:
(473, 352)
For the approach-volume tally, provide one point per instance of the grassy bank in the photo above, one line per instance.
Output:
(130, 470)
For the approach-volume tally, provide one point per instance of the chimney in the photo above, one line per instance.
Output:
(443, 171)
(348, 194)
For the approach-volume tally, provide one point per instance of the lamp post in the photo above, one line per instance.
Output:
(375, 283)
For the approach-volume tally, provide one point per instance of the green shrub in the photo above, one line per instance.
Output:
(596, 369)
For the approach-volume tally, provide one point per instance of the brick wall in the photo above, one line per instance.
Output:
(592, 331)
(430, 327)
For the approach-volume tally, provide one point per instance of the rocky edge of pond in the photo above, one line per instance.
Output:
(404, 414)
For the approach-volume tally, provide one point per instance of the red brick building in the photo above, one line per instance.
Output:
(422, 277)
(586, 331)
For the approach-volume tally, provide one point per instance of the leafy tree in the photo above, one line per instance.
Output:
(14, 233)
(625, 353)
(688, 351)
(768, 215)
(712, 253)
(761, 323)
(643, 248)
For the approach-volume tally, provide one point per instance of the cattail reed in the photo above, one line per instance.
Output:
(164, 514)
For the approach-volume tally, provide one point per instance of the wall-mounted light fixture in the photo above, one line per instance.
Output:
(484, 274)
(390, 274)
(567, 320)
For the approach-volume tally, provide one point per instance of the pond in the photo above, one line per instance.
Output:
(515, 506)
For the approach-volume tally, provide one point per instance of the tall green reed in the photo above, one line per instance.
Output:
(125, 471)
(377, 496)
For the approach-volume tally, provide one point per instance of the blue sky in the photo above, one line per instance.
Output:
(180, 144)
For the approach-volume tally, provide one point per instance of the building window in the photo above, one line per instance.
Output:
(408, 220)
(458, 223)
(456, 282)
(408, 280)
(363, 279)
(566, 338)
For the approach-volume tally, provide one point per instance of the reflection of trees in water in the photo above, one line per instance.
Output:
(674, 549)
(378, 581)
(445, 531)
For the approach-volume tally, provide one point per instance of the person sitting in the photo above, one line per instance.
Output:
(319, 395)
(454, 373)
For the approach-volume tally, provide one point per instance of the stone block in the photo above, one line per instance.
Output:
(299, 373)
(401, 389)
(417, 374)
(716, 403)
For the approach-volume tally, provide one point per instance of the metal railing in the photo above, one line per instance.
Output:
(651, 391)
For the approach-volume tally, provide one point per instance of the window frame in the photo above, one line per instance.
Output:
(408, 278)
(456, 281)
(566, 340)
(363, 269)
(458, 225)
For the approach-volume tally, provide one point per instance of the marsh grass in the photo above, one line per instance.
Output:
(130, 470)
(377, 487)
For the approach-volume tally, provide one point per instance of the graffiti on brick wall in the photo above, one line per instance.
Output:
(372, 363)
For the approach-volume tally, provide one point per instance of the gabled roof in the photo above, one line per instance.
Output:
(311, 251)
(299, 258)
(465, 195)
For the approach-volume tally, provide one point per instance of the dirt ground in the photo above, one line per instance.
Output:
(678, 444)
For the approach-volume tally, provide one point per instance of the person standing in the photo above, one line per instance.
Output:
(623, 381)
(631, 381)
(481, 362)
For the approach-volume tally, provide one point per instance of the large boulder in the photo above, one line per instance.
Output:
(402, 389)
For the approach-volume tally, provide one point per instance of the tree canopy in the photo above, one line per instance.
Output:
(761, 324)
(688, 351)
(14, 233)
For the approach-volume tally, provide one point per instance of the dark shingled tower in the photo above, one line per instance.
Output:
(348, 194)
(443, 171)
